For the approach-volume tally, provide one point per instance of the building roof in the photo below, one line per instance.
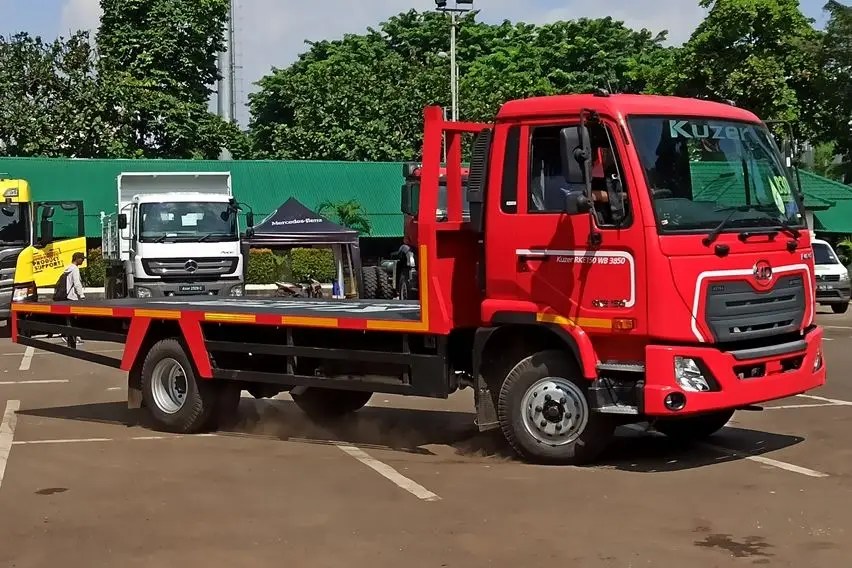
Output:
(262, 184)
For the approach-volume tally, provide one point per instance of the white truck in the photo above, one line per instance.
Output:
(173, 234)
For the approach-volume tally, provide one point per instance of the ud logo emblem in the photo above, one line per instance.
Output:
(762, 271)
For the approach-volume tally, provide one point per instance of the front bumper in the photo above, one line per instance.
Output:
(221, 288)
(833, 292)
(783, 375)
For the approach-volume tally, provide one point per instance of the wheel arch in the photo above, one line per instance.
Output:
(497, 348)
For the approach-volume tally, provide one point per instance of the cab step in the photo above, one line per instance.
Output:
(621, 367)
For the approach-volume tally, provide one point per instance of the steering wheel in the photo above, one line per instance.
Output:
(661, 192)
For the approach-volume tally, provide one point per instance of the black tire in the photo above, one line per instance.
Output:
(200, 401)
(371, 283)
(583, 445)
(691, 429)
(402, 289)
(386, 289)
(330, 404)
(839, 308)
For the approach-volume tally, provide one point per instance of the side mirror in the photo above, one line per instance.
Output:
(574, 150)
(46, 231)
(410, 199)
(122, 221)
(47, 212)
(250, 219)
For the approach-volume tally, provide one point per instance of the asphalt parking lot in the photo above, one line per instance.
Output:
(408, 483)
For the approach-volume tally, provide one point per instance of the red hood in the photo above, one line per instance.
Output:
(702, 297)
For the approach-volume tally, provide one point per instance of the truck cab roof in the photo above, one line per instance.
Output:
(181, 197)
(621, 105)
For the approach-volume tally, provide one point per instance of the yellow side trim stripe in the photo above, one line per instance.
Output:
(308, 321)
(235, 318)
(85, 311)
(596, 323)
(157, 314)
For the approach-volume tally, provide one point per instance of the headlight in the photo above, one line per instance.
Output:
(817, 361)
(689, 375)
(142, 292)
(844, 276)
(237, 291)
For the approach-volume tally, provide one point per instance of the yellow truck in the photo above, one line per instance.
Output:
(37, 240)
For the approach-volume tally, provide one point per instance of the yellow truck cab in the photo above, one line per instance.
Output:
(37, 240)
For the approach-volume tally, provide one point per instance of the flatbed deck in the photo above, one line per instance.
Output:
(298, 307)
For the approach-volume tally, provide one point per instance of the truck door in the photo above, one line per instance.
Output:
(58, 232)
(578, 267)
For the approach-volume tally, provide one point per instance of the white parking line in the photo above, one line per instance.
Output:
(7, 433)
(92, 440)
(823, 399)
(744, 455)
(835, 327)
(27, 359)
(35, 382)
(790, 406)
(389, 473)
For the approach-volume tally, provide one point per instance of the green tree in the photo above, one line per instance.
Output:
(761, 54)
(50, 101)
(362, 97)
(835, 88)
(157, 67)
(349, 214)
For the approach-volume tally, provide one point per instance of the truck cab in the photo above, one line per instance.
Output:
(175, 234)
(652, 249)
(402, 267)
(37, 241)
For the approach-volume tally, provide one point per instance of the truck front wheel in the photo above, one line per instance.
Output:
(177, 400)
(329, 404)
(693, 428)
(544, 412)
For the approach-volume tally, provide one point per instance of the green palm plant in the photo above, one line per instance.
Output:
(349, 213)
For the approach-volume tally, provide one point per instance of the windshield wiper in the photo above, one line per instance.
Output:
(714, 234)
(774, 226)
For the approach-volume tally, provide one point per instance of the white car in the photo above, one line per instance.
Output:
(832, 278)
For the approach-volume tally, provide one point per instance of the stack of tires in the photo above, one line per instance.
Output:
(377, 284)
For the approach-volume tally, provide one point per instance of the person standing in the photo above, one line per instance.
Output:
(73, 288)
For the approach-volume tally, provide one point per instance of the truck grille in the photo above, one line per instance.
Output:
(189, 267)
(737, 312)
(828, 278)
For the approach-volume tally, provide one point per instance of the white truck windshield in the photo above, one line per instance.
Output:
(188, 222)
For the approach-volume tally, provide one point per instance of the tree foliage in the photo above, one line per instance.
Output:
(349, 214)
(50, 102)
(835, 118)
(760, 54)
(157, 65)
(362, 97)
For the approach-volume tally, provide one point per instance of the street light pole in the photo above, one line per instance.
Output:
(454, 69)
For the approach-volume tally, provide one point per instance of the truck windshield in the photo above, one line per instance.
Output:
(705, 172)
(185, 221)
(13, 224)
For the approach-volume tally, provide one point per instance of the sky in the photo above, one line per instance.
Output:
(272, 32)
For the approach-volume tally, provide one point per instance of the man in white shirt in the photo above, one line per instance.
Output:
(74, 288)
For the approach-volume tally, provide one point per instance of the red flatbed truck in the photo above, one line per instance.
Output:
(626, 259)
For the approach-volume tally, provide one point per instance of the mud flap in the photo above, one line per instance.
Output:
(486, 412)
(134, 398)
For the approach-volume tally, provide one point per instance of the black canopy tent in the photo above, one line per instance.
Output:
(294, 225)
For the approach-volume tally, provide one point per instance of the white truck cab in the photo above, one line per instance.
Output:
(832, 278)
(173, 234)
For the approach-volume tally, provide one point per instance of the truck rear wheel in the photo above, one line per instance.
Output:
(544, 412)
(371, 283)
(693, 428)
(177, 400)
(329, 404)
